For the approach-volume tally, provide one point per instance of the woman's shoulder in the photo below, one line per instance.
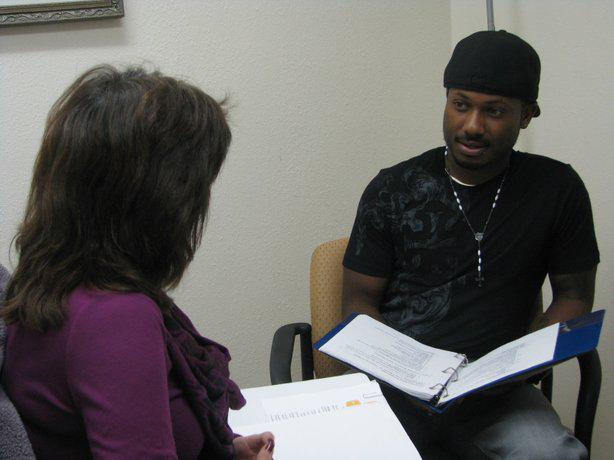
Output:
(97, 302)
(112, 326)
(91, 309)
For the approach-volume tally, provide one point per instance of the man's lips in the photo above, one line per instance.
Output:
(471, 147)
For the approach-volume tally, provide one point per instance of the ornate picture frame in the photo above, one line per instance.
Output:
(27, 12)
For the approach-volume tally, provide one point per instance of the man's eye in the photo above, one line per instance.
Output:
(495, 112)
(460, 105)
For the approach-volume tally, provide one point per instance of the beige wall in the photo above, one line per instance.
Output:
(575, 41)
(325, 93)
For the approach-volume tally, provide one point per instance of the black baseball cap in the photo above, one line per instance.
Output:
(495, 62)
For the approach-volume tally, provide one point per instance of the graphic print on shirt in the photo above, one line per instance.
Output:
(420, 214)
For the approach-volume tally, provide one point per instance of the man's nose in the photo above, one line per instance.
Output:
(474, 123)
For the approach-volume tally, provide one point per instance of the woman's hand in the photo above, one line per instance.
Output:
(255, 446)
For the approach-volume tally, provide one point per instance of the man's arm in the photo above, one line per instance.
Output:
(362, 294)
(572, 296)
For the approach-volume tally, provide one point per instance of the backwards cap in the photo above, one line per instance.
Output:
(495, 62)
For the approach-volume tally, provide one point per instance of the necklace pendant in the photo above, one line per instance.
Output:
(479, 236)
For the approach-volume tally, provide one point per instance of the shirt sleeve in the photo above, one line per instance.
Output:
(370, 250)
(574, 245)
(117, 368)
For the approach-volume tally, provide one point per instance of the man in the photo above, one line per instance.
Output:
(452, 247)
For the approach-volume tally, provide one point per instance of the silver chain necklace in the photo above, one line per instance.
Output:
(479, 236)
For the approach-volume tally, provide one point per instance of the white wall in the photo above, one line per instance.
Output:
(325, 93)
(575, 41)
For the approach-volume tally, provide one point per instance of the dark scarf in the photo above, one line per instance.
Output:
(201, 368)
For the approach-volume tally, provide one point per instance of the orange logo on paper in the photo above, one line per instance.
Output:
(354, 402)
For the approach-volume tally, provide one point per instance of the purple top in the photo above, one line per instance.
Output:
(101, 385)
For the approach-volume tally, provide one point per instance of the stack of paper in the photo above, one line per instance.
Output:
(337, 418)
(392, 356)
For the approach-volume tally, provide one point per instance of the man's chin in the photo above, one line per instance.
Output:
(472, 165)
(468, 162)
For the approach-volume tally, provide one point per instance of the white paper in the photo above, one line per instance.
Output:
(254, 412)
(366, 428)
(514, 357)
(393, 357)
(319, 403)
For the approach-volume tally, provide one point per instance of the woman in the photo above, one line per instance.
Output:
(99, 361)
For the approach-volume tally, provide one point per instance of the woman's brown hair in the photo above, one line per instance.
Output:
(120, 191)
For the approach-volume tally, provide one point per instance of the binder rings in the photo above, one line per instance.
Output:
(437, 377)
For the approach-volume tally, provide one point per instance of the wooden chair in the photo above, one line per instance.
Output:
(325, 285)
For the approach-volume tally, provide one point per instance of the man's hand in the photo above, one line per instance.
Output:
(255, 446)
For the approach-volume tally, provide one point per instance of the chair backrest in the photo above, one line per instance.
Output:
(325, 283)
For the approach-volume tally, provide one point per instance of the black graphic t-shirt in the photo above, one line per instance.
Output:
(410, 230)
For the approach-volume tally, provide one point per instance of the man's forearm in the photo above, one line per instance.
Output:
(373, 312)
(572, 296)
(561, 310)
(362, 294)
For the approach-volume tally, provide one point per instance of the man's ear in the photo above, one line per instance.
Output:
(528, 111)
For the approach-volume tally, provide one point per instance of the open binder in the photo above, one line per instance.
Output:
(437, 377)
